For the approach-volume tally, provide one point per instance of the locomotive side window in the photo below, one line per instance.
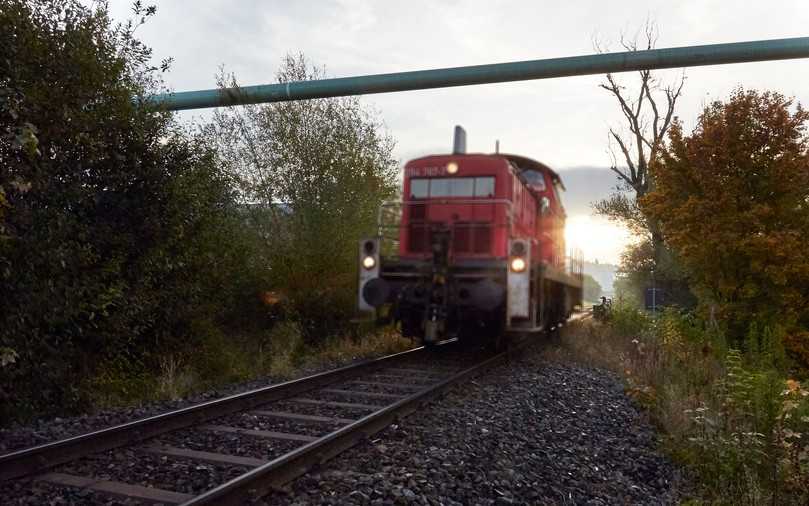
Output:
(484, 187)
(535, 180)
(419, 188)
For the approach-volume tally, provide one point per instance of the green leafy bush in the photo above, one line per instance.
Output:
(628, 321)
(119, 232)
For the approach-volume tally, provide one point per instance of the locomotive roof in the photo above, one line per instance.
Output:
(521, 162)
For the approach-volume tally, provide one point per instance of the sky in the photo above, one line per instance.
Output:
(562, 122)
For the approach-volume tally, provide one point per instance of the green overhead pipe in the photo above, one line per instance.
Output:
(675, 57)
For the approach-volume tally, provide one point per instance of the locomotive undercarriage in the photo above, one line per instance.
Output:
(458, 305)
(469, 304)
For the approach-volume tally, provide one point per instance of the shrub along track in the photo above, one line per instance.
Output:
(175, 457)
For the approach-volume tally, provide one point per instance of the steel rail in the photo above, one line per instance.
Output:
(276, 473)
(674, 57)
(39, 458)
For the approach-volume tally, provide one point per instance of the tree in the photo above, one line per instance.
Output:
(733, 202)
(647, 121)
(111, 216)
(319, 170)
(592, 289)
(648, 113)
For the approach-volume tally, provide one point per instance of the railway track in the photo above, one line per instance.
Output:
(312, 420)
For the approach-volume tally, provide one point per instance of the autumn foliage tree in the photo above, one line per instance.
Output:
(732, 199)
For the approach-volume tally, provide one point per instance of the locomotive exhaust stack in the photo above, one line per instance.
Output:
(474, 249)
(459, 141)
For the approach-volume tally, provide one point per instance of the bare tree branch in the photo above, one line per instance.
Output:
(615, 89)
(656, 114)
(632, 178)
(647, 121)
(648, 112)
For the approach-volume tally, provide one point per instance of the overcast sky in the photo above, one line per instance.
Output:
(562, 122)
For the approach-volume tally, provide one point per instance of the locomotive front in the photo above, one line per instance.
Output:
(454, 257)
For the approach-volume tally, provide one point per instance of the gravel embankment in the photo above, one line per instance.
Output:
(531, 432)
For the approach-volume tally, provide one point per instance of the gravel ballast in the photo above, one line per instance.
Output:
(530, 432)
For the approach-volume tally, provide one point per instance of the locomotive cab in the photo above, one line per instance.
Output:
(472, 249)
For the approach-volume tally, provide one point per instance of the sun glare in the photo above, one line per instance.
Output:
(597, 238)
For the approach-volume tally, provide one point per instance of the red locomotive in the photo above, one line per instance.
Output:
(475, 248)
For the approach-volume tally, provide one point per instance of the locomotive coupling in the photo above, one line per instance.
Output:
(436, 317)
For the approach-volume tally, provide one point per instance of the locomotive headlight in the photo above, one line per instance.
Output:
(452, 168)
(369, 262)
(518, 264)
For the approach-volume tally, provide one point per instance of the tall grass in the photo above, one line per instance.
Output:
(730, 416)
(280, 353)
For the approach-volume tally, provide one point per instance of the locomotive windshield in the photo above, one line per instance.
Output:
(451, 187)
(534, 179)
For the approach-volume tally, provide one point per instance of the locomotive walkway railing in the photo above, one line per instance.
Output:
(688, 56)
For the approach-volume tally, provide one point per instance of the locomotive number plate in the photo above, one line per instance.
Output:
(440, 170)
